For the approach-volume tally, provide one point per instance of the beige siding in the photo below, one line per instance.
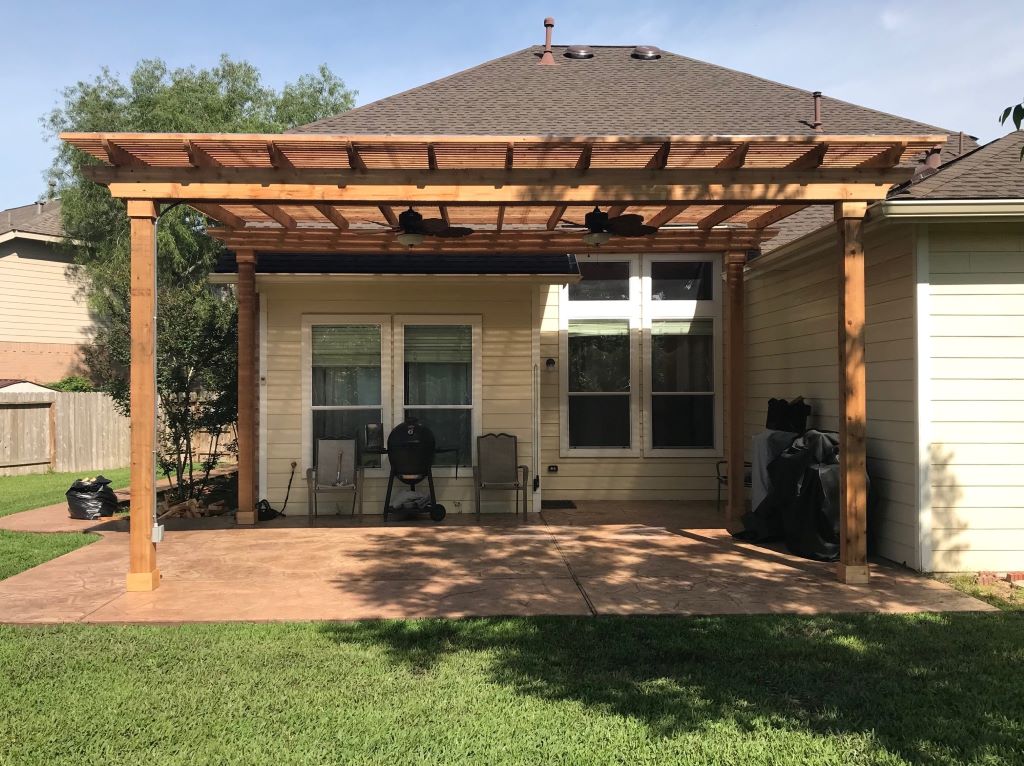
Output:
(507, 371)
(976, 323)
(40, 302)
(791, 328)
(606, 478)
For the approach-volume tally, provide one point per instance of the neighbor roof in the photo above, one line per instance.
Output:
(38, 218)
(609, 94)
(993, 171)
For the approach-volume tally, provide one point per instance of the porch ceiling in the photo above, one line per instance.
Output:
(311, 192)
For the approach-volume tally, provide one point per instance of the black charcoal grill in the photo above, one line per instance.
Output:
(411, 451)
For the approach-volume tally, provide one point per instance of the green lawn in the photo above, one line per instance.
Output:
(867, 689)
(22, 493)
(23, 550)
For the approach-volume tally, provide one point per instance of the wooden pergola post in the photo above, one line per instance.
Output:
(735, 386)
(853, 495)
(143, 574)
(247, 398)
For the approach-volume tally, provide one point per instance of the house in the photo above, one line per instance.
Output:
(627, 366)
(944, 349)
(44, 318)
(18, 386)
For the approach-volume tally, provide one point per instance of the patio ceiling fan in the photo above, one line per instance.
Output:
(413, 227)
(601, 227)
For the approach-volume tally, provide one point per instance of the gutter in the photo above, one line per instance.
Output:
(894, 211)
(231, 278)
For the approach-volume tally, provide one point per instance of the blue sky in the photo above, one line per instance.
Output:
(953, 64)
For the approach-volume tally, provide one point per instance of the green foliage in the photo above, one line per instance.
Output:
(23, 550)
(196, 349)
(1014, 112)
(843, 690)
(23, 493)
(74, 383)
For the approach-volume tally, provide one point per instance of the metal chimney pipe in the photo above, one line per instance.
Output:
(548, 57)
(816, 124)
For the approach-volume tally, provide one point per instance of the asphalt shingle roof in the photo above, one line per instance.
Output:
(610, 94)
(33, 219)
(993, 171)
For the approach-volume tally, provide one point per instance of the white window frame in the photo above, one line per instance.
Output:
(628, 310)
(652, 311)
(398, 356)
(386, 363)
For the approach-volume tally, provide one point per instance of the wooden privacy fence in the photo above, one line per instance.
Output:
(61, 431)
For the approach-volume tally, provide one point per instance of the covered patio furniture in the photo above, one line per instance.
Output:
(498, 467)
(335, 472)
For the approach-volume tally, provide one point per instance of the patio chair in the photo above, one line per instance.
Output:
(497, 457)
(723, 477)
(335, 472)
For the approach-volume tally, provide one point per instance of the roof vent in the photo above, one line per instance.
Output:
(579, 52)
(646, 53)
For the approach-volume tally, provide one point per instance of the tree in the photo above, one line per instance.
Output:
(1014, 112)
(196, 323)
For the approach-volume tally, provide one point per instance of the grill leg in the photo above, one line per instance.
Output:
(387, 497)
(430, 483)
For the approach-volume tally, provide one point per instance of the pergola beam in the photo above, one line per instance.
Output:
(198, 157)
(483, 177)
(666, 214)
(774, 215)
(221, 214)
(432, 164)
(735, 159)
(556, 194)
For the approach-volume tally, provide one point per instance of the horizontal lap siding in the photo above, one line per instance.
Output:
(507, 373)
(791, 340)
(40, 301)
(614, 478)
(977, 391)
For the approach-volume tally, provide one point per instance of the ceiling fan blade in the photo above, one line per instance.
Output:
(453, 231)
(433, 225)
(635, 231)
(571, 224)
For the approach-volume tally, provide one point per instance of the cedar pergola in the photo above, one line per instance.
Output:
(341, 193)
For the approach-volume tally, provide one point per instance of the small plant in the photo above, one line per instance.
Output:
(75, 383)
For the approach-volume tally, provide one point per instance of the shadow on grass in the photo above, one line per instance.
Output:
(930, 688)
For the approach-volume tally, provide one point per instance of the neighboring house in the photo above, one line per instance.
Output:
(15, 386)
(609, 364)
(945, 356)
(44, 319)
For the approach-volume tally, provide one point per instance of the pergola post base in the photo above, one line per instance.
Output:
(853, 574)
(143, 582)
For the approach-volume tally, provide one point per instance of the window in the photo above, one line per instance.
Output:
(682, 384)
(345, 381)
(599, 383)
(438, 385)
(641, 355)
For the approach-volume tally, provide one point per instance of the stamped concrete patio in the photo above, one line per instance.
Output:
(600, 559)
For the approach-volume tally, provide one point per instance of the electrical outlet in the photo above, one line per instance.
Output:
(552, 469)
(457, 504)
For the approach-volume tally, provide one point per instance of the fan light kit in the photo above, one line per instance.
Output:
(596, 237)
(410, 238)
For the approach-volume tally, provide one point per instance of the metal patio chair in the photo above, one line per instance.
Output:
(723, 477)
(497, 457)
(335, 472)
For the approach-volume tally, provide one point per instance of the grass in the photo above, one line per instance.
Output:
(864, 689)
(22, 493)
(1000, 594)
(23, 550)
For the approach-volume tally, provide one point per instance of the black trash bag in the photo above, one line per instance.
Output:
(91, 500)
(802, 508)
(787, 416)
